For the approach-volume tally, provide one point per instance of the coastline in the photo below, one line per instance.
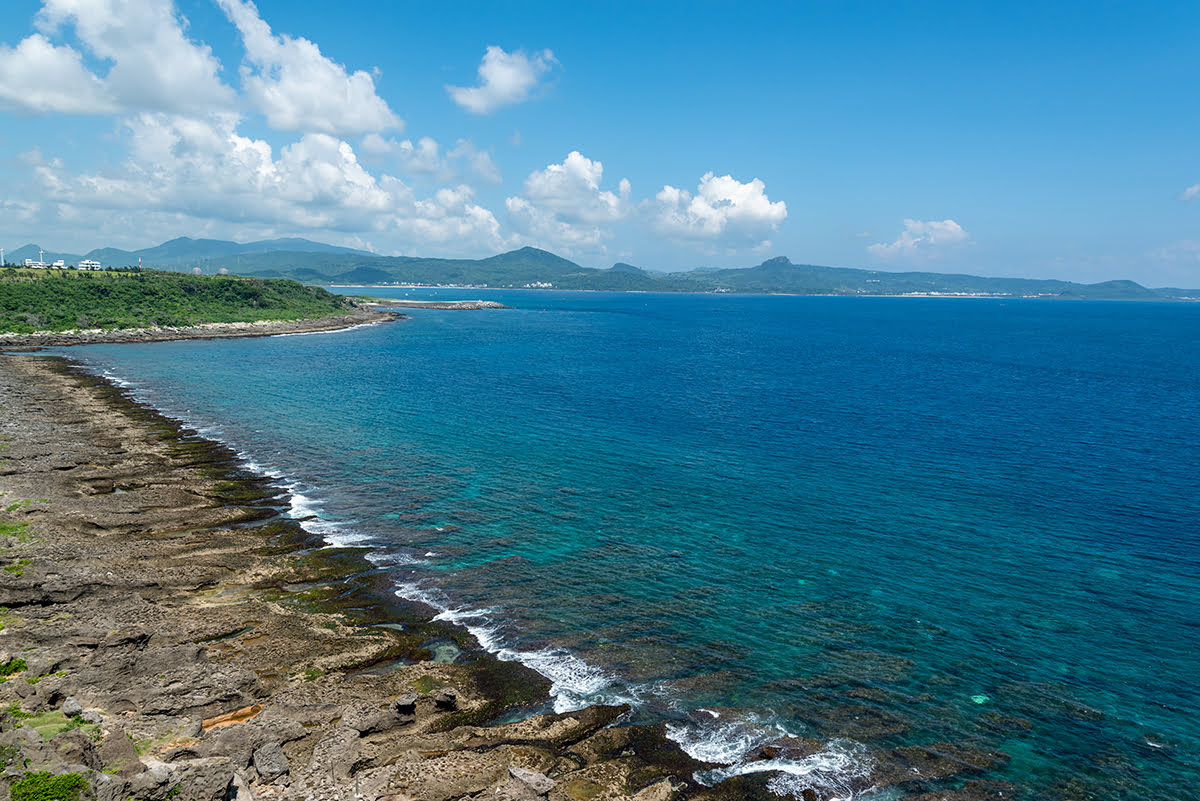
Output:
(216, 647)
(260, 328)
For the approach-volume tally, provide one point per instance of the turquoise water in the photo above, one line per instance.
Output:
(873, 522)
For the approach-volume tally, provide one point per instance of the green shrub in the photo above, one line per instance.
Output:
(14, 665)
(43, 786)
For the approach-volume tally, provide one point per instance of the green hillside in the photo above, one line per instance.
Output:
(58, 300)
(318, 263)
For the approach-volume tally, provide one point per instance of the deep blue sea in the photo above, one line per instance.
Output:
(874, 522)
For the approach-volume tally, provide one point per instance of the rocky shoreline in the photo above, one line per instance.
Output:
(166, 634)
(446, 305)
(261, 328)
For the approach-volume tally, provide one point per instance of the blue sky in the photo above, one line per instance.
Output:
(1040, 139)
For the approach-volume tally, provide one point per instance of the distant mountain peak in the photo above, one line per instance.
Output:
(622, 267)
(778, 261)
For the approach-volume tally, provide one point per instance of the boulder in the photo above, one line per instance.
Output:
(118, 752)
(152, 784)
(205, 779)
(406, 704)
(270, 762)
(72, 708)
(375, 721)
(539, 783)
(76, 748)
(446, 700)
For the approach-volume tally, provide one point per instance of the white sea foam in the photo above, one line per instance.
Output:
(308, 512)
(575, 683)
(838, 773)
(394, 559)
(112, 378)
(723, 739)
(328, 331)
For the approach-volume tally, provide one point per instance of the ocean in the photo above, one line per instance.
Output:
(873, 523)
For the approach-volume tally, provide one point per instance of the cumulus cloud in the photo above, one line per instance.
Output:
(921, 237)
(299, 89)
(722, 209)
(563, 205)
(154, 66)
(203, 169)
(504, 79)
(1191, 193)
(42, 77)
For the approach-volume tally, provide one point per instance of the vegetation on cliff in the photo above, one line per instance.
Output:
(60, 300)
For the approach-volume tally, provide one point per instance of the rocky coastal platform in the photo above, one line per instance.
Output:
(166, 634)
(261, 328)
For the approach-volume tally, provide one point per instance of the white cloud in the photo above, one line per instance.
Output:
(722, 209)
(41, 77)
(1191, 193)
(200, 171)
(299, 89)
(921, 237)
(504, 79)
(478, 161)
(563, 205)
(154, 64)
(425, 158)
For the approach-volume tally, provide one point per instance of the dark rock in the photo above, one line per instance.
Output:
(446, 700)
(270, 762)
(406, 704)
(205, 779)
(974, 790)
(118, 752)
(152, 784)
(934, 763)
(77, 748)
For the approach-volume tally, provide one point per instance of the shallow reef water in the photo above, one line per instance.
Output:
(960, 537)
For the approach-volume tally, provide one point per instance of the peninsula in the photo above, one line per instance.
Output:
(67, 307)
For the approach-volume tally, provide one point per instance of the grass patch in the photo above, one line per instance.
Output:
(14, 665)
(425, 684)
(17, 568)
(16, 531)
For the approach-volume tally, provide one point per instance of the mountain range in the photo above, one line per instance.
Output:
(318, 263)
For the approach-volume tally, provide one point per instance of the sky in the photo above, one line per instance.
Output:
(1047, 140)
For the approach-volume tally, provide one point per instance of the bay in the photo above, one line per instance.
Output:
(876, 522)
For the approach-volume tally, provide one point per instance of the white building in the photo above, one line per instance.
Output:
(88, 264)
